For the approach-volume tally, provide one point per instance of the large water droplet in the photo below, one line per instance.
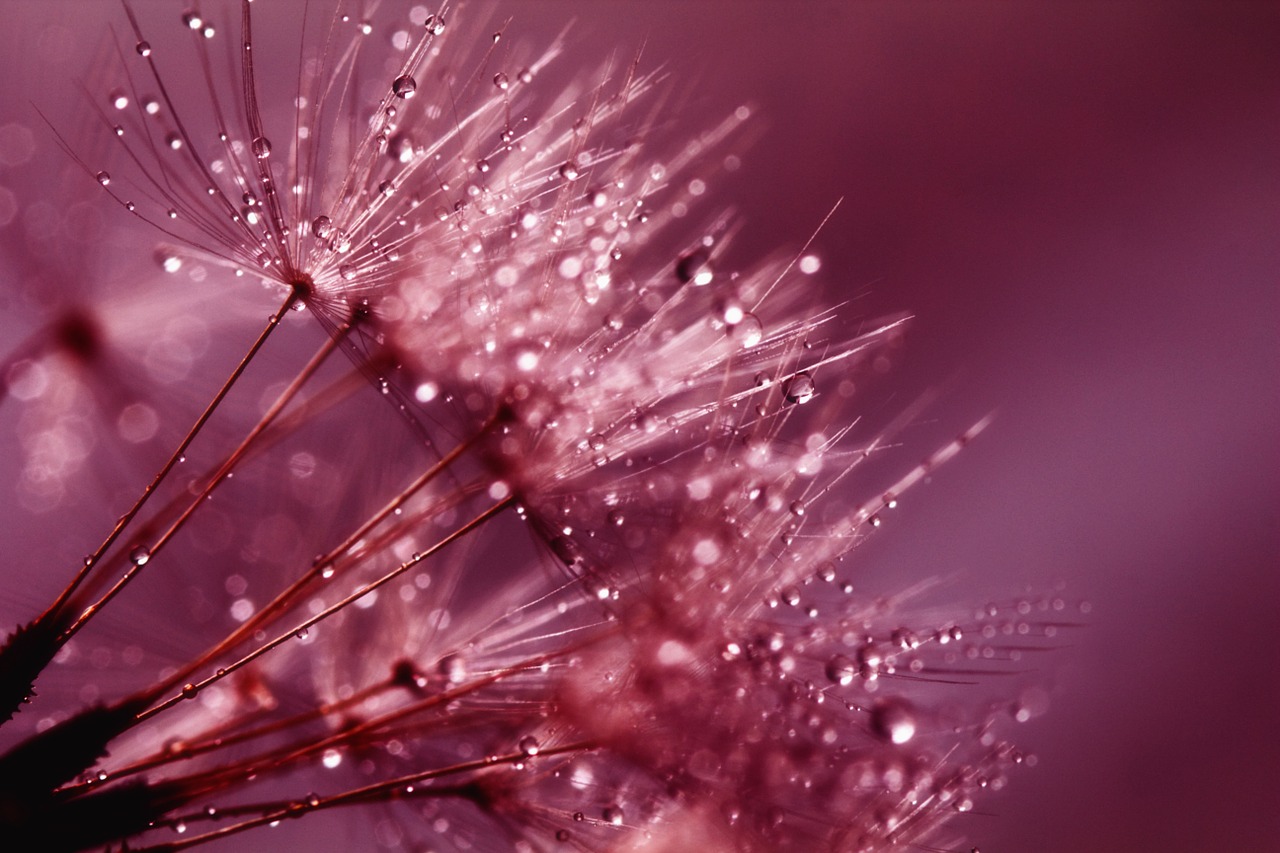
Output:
(893, 720)
(840, 670)
(529, 745)
(140, 555)
(434, 24)
(322, 227)
(261, 147)
(103, 178)
(695, 268)
(404, 86)
(749, 331)
(800, 388)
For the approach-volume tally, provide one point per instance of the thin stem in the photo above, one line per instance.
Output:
(317, 569)
(331, 343)
(389, 789)
(190, 690)
(177, 454)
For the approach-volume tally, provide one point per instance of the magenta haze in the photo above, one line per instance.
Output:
(553, 556)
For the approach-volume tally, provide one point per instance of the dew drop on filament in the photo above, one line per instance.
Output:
(261, 147)
(799, 389)
(103, 178)
(404, 86)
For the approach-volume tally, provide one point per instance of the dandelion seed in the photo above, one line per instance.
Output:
(539, 560)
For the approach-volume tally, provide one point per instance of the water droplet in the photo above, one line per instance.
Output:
(800, 388)
(261, 147)
(529, 745)
(189, 691)
(143, 48)
(612, 815)
(569, 172)
(790, 596)
(348, 272)
(435, 24)
(749, 331)
(482, 165)
(893, 720)
(322, 227)
(404, 86)
(192, 20)
(331, 758)
(695, 268)
(841, 670)
(501, 81)
(140, 555)
(562, 835)
(386, 188)
(103, 178)
(119, 100)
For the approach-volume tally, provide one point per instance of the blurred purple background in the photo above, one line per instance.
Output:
(1080, 204)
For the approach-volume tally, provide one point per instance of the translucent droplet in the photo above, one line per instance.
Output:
(192, 20)
(841, 670)
(482, 165)
(386, 188)
(612, 815)
(434, 24)
(140, 555)
(893, 720)
(562, 835)
(322, 227)
(174, 141)
(501, 81)
(404, 86)
(569, 172)
(529, 745)
(695, 268)
(143, 48)
(189, 691)
(800, 388)
(103, 178)
(749, 331)
(119, 100)
(331, 758)
(261, 147)
(348, 272)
